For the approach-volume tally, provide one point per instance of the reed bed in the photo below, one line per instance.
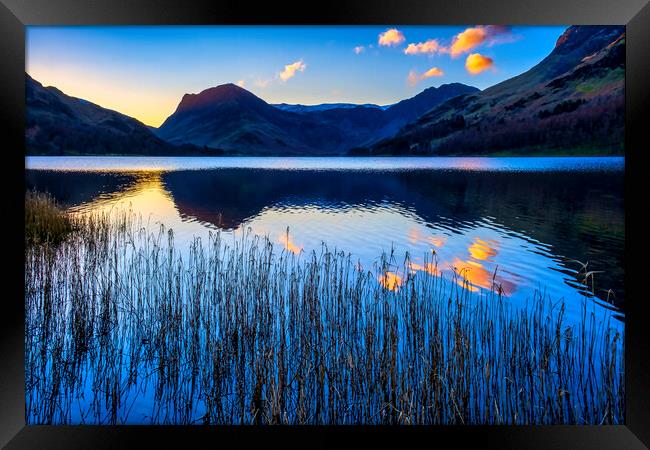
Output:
(124, 327)
(45, 221)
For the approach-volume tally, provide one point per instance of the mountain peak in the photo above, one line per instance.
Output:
(577, 38)
(223, 93)
(448, 85)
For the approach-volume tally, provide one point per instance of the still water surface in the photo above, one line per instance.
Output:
(530, 220)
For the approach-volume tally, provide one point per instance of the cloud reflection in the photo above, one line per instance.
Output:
(288, 244)
(391, 281)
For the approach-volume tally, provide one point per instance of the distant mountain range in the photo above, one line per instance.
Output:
(229, 117)
(571, 102)
(323, 106)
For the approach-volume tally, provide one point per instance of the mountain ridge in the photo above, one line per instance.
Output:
(299, 108)
(58, 124)
(233, 119)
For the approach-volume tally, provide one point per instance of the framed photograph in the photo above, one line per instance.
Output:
(375, 221)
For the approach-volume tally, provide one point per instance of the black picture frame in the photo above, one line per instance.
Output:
(16, 14)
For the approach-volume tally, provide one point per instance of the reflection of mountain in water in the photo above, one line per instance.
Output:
(74, 188)
(579, 214)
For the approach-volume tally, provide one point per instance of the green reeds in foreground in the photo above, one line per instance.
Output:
(123, 327)
(45, 221)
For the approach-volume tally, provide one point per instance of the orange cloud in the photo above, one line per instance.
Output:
(476, 63)
(359, 49)
(414, 78)
(241, 83)
(433, 72)
(432, 46)
(391, 37)
(291, 69)
(467, 40)
(473, 37)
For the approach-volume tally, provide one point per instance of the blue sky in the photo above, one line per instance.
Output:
(144, 71)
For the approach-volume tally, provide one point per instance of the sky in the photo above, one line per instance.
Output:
(143, 71)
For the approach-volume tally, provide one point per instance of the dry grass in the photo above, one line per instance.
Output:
(45, 221)
(122, 327)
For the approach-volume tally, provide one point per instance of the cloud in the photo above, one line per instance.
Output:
(414, 78)
(476, 63)
(260, 83)
(241, 83)
(432, 46)
(433, 72)
(391, 37)
(359, 49)
(291, 69)
(465, 41)
(506, 38)
(473, 37)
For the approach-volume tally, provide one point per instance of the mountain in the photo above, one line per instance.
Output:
(363, 126)
(235, 120)
(231, 118)
(322, 106)
(572, 101)
(410, 109)
(58, 124)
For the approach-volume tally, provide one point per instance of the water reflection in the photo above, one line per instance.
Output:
(288, 244)
(391, 280)
(513, 231)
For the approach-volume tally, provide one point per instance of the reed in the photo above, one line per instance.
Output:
(124, 327)
(45, 221)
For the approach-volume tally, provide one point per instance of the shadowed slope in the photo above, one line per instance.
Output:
(58, 124)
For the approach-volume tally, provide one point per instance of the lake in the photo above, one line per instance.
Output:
(123, 328)
(526, 223)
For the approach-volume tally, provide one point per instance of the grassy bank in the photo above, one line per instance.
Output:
(124, 327)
